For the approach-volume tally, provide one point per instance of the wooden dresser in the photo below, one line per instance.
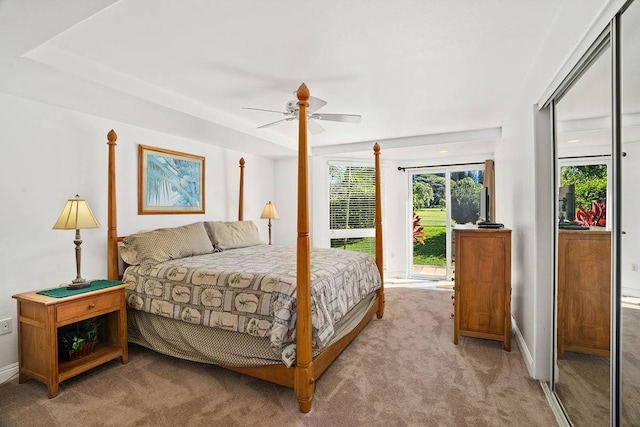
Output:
(584, 291)
(482, 292)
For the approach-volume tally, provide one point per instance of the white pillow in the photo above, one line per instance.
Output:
(233, 234)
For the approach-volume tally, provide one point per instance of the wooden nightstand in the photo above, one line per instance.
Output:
(39, 318)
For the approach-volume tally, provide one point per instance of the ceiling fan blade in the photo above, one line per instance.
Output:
(276, 122)
(314, 127)
(262, 109)
(315, 104)
(348, 118)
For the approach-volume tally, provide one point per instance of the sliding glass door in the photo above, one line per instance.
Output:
(441, 198)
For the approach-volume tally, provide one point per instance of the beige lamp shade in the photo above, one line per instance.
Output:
(270, 211)
(76, 215)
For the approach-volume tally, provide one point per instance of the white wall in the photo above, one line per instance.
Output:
(50, 154)
(284, 230)
(630, 209)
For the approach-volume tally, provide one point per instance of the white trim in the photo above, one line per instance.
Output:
(488, 134)
(8, 372)
(341, 233)
(524, 349)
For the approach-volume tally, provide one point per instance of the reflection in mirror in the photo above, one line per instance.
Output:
(583, 245)
(630, 206)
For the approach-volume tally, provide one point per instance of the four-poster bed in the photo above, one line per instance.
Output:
(310, 359)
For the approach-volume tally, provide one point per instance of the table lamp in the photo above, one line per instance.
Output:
(270, 212)
(76, 215)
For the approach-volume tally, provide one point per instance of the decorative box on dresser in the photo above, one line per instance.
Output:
(482, 290)
(584, 291)
(40, 316)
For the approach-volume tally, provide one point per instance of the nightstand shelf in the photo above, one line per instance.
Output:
(103, 354)
(39, 318)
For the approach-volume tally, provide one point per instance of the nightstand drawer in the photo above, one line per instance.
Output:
(86, 306)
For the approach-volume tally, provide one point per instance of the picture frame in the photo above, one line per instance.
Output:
(170, 182)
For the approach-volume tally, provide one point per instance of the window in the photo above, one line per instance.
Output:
(352, 207)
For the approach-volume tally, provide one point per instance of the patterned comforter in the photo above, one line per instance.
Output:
(253, 290)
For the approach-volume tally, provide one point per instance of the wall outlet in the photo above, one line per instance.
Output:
(634, 267)
(5, 326)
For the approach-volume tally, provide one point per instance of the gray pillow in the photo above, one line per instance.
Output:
(233, 234)
(164, 244)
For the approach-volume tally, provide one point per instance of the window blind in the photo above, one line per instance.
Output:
(352, 207)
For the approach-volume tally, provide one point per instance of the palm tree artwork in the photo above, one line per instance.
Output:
(173, 182)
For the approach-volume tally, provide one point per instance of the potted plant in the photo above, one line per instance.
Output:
(594, 217)
(78, 339)
(418, 232)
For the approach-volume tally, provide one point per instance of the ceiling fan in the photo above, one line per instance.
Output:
(292, 112)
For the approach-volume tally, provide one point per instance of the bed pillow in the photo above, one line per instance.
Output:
(164, 244)
(233, 234)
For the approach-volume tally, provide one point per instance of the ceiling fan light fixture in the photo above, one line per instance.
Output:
(292, 110)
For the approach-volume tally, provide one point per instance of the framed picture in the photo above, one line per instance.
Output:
(169, 182)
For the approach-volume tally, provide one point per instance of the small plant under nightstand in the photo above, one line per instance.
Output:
(78, 339)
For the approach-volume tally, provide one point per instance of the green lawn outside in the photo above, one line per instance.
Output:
(432, 252)
(432, 217)
(365, 244)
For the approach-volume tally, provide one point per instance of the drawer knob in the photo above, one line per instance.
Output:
(451, 316)
(92, 305)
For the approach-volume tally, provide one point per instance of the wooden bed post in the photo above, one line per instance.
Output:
(304, 383)
(241, 192)
(112, 222)
(379, 255)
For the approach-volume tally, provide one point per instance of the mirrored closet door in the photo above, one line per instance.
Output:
(630, 209)
(583, 241)
(596, 122)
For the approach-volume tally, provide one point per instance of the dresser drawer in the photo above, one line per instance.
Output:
(85, 307)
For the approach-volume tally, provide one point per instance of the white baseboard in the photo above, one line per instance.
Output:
(631, 292)
(524, 350)
(8, 372)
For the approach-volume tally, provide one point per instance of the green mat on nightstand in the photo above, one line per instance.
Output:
(62, 291)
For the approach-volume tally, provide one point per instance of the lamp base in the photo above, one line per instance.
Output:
(79, 285)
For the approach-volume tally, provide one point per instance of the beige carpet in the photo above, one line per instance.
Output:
(403, 370)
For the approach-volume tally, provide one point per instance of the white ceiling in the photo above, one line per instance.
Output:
(409, 67)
